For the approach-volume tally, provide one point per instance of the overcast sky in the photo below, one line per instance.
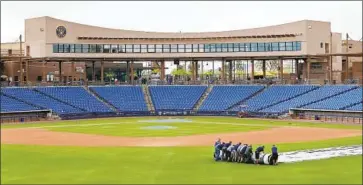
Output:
(186, 16)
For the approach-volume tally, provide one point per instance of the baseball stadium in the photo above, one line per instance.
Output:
(82, 104)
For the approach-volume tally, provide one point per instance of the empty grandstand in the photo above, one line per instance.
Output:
(176, 97)
(33, 97)
(79, 102)
(274, 95)
(223, 97)
(128, 98)
(12, 105)
(316, 95)
(339, 102)
(76, 97)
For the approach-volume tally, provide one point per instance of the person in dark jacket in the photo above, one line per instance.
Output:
(258, 151)
(274, 154)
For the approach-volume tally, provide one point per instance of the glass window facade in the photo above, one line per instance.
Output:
(178, 48)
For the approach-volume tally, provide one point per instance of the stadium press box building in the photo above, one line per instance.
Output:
(71, 51)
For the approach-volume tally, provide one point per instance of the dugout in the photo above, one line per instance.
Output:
(343, 116)
(25, 116)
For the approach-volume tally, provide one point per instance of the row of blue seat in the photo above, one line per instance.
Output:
(274, 99)
(310, 97)
(12, 105)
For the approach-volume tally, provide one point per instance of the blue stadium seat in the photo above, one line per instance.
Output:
(41, 100)
(76, 96)
(222, 97)
(310, 97)
(275, 94)
(12, 105)
(124, 98)
(357, 107)
(175, 97)
(339, 101)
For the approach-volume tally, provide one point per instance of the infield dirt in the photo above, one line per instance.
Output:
(40, 136)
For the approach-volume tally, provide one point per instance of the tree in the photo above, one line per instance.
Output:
(110, 75)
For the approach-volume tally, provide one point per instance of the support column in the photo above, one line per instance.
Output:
(127, 71)
(44, 77)
(102, 77)
(230, 70)
(60, 72)
(73, 71)
(252, 70)
(93, 71)
(264, 68)
(222, 71)
(162, 70)
(132, 72)
(202, 70)
(281, 70)
(27, 71)
(193, 70)
(308, 69)
(21, 71)
(196, 69)
(297, 68)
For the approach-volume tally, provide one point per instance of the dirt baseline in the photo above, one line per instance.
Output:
(38, 136)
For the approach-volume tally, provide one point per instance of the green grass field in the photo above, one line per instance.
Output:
(22, 164)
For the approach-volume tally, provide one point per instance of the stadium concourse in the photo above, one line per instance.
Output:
(72, 102)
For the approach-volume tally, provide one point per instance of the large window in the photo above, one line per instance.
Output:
(55, 48)
(261, 46)
(224, 48)
(128, 48)
(114, 48)
(99, 48)
(78, 48)
(166, 48)
(137, 48)
(242, 47)
(67, 48)
(122, 48)
(297, 46)
(85, 48)
(177, 48)
(288, 46)
(230, 47)
(159, 48)
(181, 48)
(143, 48)
(61, 48)
(275, 46)
(212, 48)
(282, 46)
(247, 47)
(268, 46)
(236, 47)
(254, 47)
(106, 48)
(188, 48)
(219, 48)
(151, 48)
(92, 48)
(174, 48)
(195, 48)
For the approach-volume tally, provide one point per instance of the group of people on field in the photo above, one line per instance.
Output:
(241, 153)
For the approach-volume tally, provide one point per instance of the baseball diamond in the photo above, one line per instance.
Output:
(280, 103)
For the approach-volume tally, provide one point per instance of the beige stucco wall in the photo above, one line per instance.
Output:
(310, 33)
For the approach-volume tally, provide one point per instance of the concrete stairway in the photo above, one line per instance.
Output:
(149, 103)
(202, 98)
(99, 98)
